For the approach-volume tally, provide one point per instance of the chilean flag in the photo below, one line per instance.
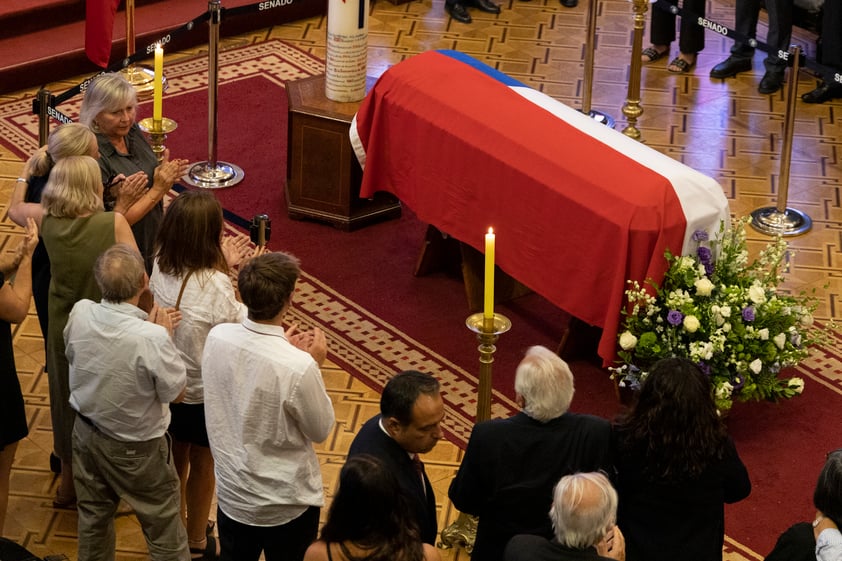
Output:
(99, 29)
(578, 208)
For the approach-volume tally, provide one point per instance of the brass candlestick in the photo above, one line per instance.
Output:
(464, 530)
(157, 132)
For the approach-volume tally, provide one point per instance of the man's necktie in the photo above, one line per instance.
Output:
(419, 469)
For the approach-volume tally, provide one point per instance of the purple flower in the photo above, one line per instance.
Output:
(748, 313)
(700, 236)
(704, 254)
(738, 382)
(674, 317)
(704, 367)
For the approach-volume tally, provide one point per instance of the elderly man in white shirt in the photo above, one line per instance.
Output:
(265, 405)
(124, 372)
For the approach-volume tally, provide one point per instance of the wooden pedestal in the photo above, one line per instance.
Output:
(323, 175)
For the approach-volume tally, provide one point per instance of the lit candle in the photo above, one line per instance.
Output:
(158, 92)
(488, 309)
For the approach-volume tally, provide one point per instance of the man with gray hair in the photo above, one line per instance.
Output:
(124, 372)
(510, 465)
(584, 517)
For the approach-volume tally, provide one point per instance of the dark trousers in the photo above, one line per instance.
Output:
(692, 37)
(832, 35)
(287, 542)
(780, 33)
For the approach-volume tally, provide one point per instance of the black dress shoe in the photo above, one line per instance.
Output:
(825, 92)
(569, 3)
(731, 66)
(459, 12)
(487, 6)
(771, 82)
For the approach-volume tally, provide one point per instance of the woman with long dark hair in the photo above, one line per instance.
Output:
(191, 274)
(368, 519)
(677, 467)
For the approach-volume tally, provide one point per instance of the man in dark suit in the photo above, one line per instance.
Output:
(511, 465)
(409, 423)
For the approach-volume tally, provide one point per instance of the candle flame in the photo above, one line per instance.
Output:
(490, 230)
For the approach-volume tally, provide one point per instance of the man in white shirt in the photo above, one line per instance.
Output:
(265, 405)
(124, 372)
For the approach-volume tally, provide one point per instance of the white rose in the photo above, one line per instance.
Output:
(726, 328)
(724, 390)
(756, 293)
(703, 287)
(756, 366)
(628, 341)
(691, 324)
(780, 340)
(806, 319)
(763, 334)
(725, 311)
(796, 384)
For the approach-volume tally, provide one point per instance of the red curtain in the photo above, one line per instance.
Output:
(99, 28)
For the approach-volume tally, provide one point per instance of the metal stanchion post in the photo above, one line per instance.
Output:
(632, 109)
(140, 76)
(213, 174)
(587, 85)
(43, 100)
(464, 530)
(780, 219)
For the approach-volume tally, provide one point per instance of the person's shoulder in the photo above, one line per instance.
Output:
(316, 552)
(585, 421)
(523, 546)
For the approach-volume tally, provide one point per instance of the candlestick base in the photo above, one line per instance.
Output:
(142, 79)
(207, 175)
(157, 132)
(462, 532)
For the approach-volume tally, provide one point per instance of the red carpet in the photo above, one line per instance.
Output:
(359, 286)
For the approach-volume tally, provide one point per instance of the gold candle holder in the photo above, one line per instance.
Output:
(463, 531)
(157, 132)
(632, 109)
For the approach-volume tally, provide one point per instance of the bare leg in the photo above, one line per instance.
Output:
(181, 459)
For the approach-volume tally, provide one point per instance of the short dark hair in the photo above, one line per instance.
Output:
(828, 494)
(402, 391)
(119, 272)
(266, 283)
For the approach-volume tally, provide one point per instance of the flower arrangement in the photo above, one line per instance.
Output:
(724, 313)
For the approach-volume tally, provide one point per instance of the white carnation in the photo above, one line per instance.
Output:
(796, 384)
(756, 366)
(780, 340)
(703, 287)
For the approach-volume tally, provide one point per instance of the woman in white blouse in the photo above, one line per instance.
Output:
(191, 273)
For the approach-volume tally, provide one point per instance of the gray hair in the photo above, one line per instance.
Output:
(584, 509)
(106, 92)
(119, 273)
(545, 383)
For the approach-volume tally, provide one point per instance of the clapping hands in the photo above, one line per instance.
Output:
(313, 342)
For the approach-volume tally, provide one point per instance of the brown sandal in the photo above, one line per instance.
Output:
(652, 54)
(682, 66)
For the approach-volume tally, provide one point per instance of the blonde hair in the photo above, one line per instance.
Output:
(74, 188)
(545, 383)
(71, 139)
(106, 92)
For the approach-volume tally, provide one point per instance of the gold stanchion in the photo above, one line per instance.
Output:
(157, 132)
(464, 530)
(782, 220)
(587, 83)
(140, 76)
(632, 109)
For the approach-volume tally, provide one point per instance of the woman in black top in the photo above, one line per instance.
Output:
(677, 468)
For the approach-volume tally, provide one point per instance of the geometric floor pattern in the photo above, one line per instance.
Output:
(723, 128)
